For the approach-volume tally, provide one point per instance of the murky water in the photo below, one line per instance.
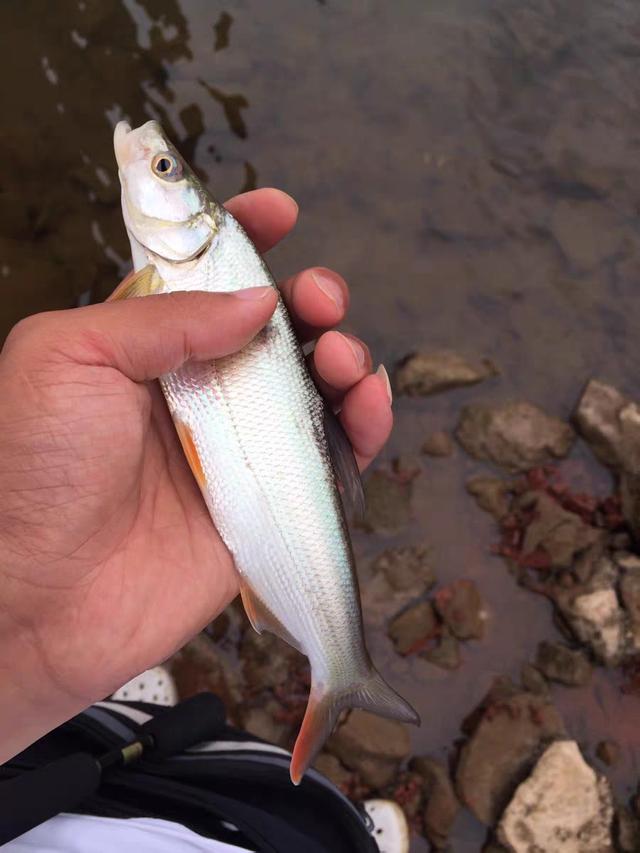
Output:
(471, 167)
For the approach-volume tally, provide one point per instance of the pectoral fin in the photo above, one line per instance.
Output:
(261, 618)
(191, 452)
(145, 282)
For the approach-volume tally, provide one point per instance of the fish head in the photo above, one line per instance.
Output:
(166, 210)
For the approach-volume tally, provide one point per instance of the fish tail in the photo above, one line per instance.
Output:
(372, 693)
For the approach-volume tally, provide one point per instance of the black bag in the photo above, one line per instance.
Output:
(232, 787)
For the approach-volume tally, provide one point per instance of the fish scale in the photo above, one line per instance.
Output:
(253, 427)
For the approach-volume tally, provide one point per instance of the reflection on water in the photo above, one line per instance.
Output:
(472, 169)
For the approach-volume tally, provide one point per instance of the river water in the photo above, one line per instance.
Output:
(471, 167)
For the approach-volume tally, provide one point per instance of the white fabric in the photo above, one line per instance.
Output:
(69, 833)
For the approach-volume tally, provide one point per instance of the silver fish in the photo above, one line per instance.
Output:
(257, 437)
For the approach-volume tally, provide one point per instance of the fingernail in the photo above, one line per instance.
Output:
(384, 378)
(356, 349)
(252, 292)
(330, 287)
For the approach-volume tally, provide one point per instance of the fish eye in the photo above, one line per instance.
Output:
(166, 166)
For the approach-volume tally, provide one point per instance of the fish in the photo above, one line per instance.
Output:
(271, 460)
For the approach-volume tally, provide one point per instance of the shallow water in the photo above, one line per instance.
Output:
(472, 168)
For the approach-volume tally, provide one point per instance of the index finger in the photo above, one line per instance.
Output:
(267, 215)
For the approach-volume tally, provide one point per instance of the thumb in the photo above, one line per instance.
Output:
(147, 336)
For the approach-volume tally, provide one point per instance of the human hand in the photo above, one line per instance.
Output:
(109, 561)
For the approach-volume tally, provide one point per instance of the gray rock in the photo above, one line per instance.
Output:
(626, 830)
(442, 805)
(516, 436)
(533, 680)
(388, 502)
(561, 534)
(445, 654)
(410, 630)
(630, 595)
(372, 746)
(406, 568)
(562, 807)
(439, 444)
(610, 423)
(331, 767)
(423, 373)
(262, 722)
(594, 614)
(267, 660)
(597, 418)
(560, 663)
(608, 751)
(462, 610)
(583, 230)
(491, 494)
(509, 736)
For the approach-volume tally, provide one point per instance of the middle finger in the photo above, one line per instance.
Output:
(317, 299)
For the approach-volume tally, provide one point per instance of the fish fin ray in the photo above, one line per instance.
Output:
(372, 694)
(145, 282)
(191, 452)
(261, 617)
(344, 465)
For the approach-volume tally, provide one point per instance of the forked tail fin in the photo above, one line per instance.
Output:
(371, 694)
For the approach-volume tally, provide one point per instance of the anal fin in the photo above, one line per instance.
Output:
(261, 618)
(145, 282)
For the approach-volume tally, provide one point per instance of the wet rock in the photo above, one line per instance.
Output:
(562, 807)
(610, 423)
(608, 751)
(630, 595)
(445, 654)
(410, 630)
(263, 723)
(533, 680)
(462, 609)
(596, 618)
(331, 767)
(406, 569)
(388, 502)
(442, 805)
(219, 627)
(372, 746)
(200, 666)
(407, 792)
(406, 467)
(512, 729)
(491, 494)
(439, 444)
(420, 374)
(516, 436)
(583, 230)
(597, 418)
(627, 561)
(626, 830)
(564, 665)
(560, 534)
(267, 660)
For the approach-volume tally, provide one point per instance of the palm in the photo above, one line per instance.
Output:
(110, 559)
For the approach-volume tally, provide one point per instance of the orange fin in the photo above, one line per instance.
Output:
(188, 445)
(145, 282)
(261, 618)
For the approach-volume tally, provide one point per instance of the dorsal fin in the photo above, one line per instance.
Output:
(344, 465)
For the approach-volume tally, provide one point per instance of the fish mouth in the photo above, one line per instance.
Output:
(121, 144)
